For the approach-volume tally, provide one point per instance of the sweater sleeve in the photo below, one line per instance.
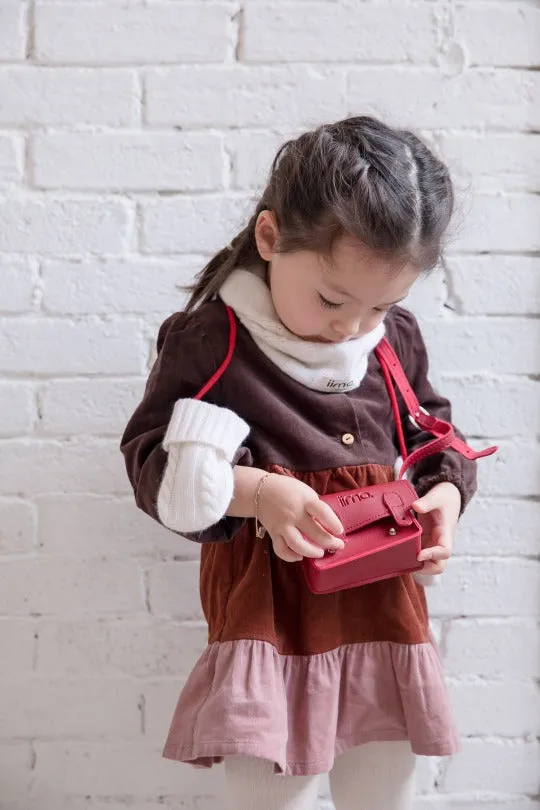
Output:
(449, 465)
(186, 359)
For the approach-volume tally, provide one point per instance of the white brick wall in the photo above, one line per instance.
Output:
(132, 138)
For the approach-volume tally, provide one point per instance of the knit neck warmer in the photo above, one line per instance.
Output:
(329, 367)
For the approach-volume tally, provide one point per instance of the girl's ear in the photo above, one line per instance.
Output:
(266, 234)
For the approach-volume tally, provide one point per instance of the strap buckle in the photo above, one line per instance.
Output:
(416, 425)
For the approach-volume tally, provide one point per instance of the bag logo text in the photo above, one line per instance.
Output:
(355, 497)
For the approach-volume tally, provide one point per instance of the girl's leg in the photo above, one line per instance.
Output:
(251, 784)
(375, 776)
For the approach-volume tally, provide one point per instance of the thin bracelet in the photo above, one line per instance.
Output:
(260, 531)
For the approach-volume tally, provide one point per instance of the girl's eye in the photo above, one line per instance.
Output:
(380, 309)
(328, 304)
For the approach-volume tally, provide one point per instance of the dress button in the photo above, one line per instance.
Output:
(347, 438)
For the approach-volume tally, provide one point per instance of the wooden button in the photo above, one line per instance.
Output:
(347, 438)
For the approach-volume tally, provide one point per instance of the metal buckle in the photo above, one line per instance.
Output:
(417, 426)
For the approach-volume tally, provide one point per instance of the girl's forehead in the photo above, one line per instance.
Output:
(351, 267)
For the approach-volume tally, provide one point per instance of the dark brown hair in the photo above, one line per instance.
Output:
(358, 176)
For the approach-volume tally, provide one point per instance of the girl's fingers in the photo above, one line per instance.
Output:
(316, 535)
(295, 541)
(326, 517)
(433, 568)
(434, 554)
(283, 551)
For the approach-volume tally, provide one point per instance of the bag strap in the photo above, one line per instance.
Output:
(228, 357)
(444, 433)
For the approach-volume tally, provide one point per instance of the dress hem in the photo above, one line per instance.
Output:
(212, 753)
(300, 712)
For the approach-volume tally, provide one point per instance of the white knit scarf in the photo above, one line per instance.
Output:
(330, 367)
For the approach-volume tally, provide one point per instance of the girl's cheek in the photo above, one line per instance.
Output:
(371, 323)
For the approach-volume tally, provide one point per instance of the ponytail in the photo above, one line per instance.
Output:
(241, 252)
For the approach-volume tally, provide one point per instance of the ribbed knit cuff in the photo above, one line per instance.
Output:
(202, 423)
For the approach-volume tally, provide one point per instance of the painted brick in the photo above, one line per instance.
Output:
(251, 156)
(63, 347)
(465, 345)
(128, 286)
(476, 801)
(104, 33)
(53, 466)
(512, 472)
(486, 224)
(160, 701)
(256, 97)
(156, 162)
(428, 295)
(38, 707)
(496, 285)
(18, 404)
(82, 768)
(501, 527)
(174, 590)
(84, 525)
(53, 586)
(310, 32)
(16, 658)
(512, 37)
(18, 284)
(15, 770)
(493, 161)
(107, 803)
(48, 226)
(11, 164)
(492, 648)
(140, 648)
(504, 708)
(33, 97)
(18, 526)
(495, 406)
(207, 223)
(411, 97)
(12, 30)
(480, 587)
(100, 407)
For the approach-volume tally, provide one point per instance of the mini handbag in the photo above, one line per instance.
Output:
(382, 538)
(381, 533)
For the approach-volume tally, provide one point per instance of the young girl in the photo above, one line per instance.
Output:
(295, 684)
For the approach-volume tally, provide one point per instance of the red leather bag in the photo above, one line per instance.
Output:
(382, 538)
(382, 535)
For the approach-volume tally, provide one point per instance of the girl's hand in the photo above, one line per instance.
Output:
(438, 513)
(289, 508)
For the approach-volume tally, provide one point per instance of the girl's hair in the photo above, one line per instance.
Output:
(357, 176)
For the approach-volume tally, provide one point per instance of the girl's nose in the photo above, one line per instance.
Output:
(347, 329)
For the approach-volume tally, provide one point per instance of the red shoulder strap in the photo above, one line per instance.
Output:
(228, 357)
(443, 431)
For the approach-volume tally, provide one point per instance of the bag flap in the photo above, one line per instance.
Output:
(357, 508)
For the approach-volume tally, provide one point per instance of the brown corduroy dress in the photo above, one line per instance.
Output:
(290, 676)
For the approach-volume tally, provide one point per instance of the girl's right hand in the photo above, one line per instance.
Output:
(289, 509)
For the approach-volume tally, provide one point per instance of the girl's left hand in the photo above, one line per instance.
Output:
(438, 513)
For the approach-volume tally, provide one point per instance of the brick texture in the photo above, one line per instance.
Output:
(134, 137)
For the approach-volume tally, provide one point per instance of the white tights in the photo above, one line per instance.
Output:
(375, 776)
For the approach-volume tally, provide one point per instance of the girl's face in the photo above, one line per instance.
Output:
(336, 298)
